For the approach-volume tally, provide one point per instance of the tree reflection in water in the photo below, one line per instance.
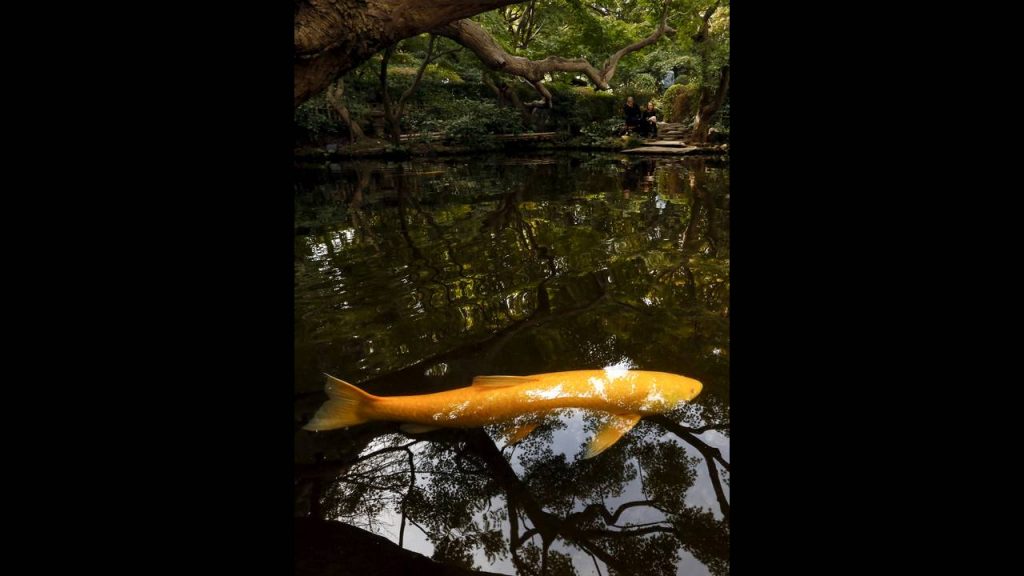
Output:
(415, 278)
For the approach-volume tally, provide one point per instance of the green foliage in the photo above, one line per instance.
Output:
(642, 85)
(465, 121)
(453, 97)
(679, 102)
(442, 75)
(316, 118)
(598, 131)
(722, 118)
(665, 58)
(576, 107)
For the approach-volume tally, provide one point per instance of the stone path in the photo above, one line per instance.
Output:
(670, 142)
(670, 130)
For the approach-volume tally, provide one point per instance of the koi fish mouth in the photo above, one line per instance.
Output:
(695, 389)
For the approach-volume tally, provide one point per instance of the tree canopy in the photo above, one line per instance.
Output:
(642, 46)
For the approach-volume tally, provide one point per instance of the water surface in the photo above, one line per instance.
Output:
(415, 277)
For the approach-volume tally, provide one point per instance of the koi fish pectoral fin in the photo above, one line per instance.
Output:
(412, 428)
(516, 435)
(516, 430)
(610, 433)
(501, 381)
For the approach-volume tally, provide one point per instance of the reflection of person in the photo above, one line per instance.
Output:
(649, 126)
(630, 178)
(632, 114)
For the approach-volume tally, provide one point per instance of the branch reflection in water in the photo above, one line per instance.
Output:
(415, 278)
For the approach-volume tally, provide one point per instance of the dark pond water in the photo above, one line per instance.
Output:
(415, 277)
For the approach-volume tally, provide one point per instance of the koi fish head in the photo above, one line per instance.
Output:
(666, 391)
(684, 389)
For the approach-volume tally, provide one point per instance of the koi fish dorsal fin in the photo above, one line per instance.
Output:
(610, 433)
(501, 381)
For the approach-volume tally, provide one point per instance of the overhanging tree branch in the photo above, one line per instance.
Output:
(334, 36)
(480, 42)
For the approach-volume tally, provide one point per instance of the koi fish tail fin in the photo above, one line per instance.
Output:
(347, 406)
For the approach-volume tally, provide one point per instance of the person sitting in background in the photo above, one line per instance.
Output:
(649, 126)
(632, 113)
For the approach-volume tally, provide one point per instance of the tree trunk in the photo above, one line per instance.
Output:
(390, 116)
(335, 97)
(709, 105)
(334, 36)
(393, 112)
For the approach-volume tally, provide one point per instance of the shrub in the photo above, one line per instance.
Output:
(602, 130)
(316, 117)
(680, 102)
(465, 121)
(642, 85)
